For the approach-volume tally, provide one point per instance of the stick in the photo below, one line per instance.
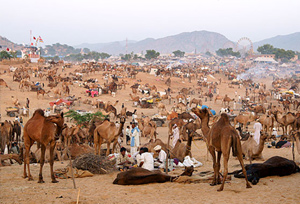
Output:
(293, 150)
(168, 154)
(74, 184)
(78, 196)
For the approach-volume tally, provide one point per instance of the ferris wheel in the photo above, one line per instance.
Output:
(229, 44)
(245, 43)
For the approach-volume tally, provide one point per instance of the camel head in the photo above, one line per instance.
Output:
(122, 119)
(201, 113)
(58, 120)
(264, 136)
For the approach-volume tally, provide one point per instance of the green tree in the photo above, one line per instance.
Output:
(266, 49)
(4, 55)
(151, 54)
(208, 54)
(126, 57)
(227, 52)
(179, 53)
(13, 54)
(83, 119)
(284, 55)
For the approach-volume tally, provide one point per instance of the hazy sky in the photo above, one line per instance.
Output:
(93, 21)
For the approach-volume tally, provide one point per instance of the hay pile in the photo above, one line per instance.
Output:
(94, 163)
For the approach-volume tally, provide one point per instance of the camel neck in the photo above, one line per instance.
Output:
(205, 128)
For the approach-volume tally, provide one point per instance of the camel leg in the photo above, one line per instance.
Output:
(213, 154)
(108, 149)
(240, 158)
(26, 158)
(52, 147)
(226, 158)
(42, 161)
(218, 167)
(114, 146)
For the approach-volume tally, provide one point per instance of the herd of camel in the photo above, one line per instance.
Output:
(218, 132)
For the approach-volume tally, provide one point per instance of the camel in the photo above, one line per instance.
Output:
(258, 109)
(4, 136)
(296, 137)
(196, 101)
(226, 99)
(285, 120)
(17, 130)
(218, 97)
(191, 127)
(44, 130)
(253, 150)
(56, 92)
(172, 115)
(267, 122)
(181, 107)
(180, 97)
(3, 83)
(135, 99)
(220, 138)
(245, 118)
(179, 122)
(108, 132)
(161, 106)
(42, 92)
(296, 104)
(168, 82)
(147, 128)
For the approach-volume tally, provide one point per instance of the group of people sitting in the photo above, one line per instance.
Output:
(143, 159)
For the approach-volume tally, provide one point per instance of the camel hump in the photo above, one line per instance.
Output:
(39, 111)
(224, 118)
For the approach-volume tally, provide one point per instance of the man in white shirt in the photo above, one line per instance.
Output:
(175, 135)
(147, 160)
(257, 127)
(161, 159)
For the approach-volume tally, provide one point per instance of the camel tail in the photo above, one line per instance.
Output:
(234, 145)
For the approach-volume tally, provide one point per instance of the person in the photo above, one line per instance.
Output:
(257, 128)
(127, 132)
(135, 138)
(123, 161)
(27, 103)
(175, 135)
(146, 160)
(159, 162)
(283, 143)
(274, 133)
(21, 122)
(17, 118)
(15, 149)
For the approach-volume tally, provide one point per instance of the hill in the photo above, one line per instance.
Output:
(201, 41)
(5, 43)
(287, 42)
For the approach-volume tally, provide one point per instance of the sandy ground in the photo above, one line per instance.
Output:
(99, 188)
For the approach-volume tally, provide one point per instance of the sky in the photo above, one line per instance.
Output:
(74, 22)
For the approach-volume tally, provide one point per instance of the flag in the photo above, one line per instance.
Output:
(31, 44)
(7, 49)
(34, 38)
(41, 40)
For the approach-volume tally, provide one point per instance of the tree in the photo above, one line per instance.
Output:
(284, 55)
(126, 57)
(151, 54)
(208, 54)
(227, 52)
(266, 49)
(83, 118)
(179, 53)
(4, 55)
(13, 54)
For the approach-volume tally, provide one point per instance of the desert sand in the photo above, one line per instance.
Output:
(99, 188)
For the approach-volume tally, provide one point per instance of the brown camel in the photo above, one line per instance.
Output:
(245, 118)
(267, 122)
(196, 101)
(136, 98)
(285, 120)
(181, 107)
(179, 122)
(296, 137)
(258, 109)
(5, 133)
(190, 128)
(218, 97)
(253, 150)
(227, 100)
(168, 82)
(44, 130)
(41, 92)
(108, 132)
(3, 83)
(220, 138)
